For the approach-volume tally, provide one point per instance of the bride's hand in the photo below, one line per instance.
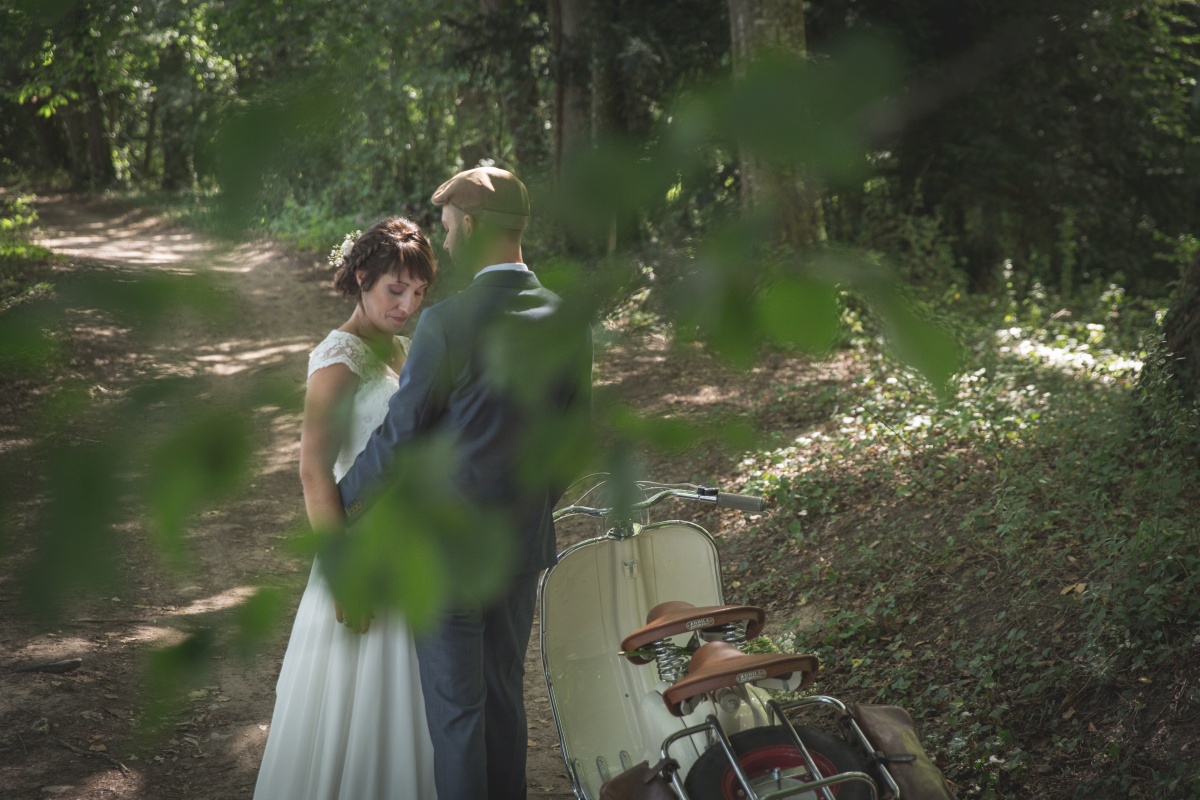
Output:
(358, 625)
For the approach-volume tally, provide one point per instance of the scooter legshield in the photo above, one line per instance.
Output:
(601, 591)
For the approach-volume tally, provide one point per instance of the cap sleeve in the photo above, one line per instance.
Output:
(341, 348)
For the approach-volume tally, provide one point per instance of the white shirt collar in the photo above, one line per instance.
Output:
(515, 266)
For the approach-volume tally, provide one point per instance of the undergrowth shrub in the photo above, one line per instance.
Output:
(21, 262)
(1009, 563)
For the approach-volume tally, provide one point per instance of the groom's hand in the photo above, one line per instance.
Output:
(356, 623)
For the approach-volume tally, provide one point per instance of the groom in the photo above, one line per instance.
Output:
(472, 663)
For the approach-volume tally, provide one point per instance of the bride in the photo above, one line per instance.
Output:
(349, 718)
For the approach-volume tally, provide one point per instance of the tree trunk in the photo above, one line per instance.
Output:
(102, 169)
(50, 135)
(522, 101)
(73, 133)
(758, 27)
(572, 101)
(1181, 333)
(174, 141)
(148, 146)
(606, 76)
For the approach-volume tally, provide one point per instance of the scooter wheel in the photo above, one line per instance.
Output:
(764, 751)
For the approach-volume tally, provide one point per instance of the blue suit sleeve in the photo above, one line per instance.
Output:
(418, 402)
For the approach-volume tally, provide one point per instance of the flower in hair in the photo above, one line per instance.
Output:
(339, 254)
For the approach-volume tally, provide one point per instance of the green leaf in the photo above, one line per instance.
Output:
(801, 312)
(204, 459)
(255, 619)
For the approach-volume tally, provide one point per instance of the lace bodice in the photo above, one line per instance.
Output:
(378, 383)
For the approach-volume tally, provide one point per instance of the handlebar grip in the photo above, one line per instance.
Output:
(742, 502)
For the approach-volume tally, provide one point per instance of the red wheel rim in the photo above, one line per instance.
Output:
(762, 760)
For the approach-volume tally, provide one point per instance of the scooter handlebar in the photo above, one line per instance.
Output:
(742, 502)
(706, 494)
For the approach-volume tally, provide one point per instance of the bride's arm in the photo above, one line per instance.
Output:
(328, 401)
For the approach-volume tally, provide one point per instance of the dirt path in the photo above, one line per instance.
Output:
(63, 734)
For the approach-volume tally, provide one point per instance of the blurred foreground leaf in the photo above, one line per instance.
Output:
(206, 458)
(76, 547)
(255, 141)
(170, 674)
(26, 343)
(675, 436)
(801, 312)
(419, 546)
(931, 349)
(255, 619)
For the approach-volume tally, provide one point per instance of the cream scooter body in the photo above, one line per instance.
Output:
(609, 711)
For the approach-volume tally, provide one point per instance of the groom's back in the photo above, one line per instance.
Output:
(517, 377)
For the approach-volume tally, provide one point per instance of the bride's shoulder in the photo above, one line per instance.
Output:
(340, 347)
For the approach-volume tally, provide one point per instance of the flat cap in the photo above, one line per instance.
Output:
(492, 195)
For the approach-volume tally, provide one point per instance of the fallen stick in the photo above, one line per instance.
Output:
(124, 769)
(57, 667)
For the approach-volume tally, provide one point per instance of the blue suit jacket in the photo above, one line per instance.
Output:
(487, 367)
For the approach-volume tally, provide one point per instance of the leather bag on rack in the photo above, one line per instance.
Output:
(892, 732)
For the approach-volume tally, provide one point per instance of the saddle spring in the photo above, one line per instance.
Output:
(670, 660)
(672, 663)
(732, 632)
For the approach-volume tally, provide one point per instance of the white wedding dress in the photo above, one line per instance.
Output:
(349, 721)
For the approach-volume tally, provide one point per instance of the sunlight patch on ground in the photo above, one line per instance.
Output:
(93, 332)
(242, 259)
(229, 362)
(282, 453)
(52, 647)
(162, 250)
(246, 748)
(13, 445)
(1068, 355)
(704, 396)
(106, 782)
(153, 634)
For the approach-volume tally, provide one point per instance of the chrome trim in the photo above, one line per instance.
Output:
(712, 725)
(780, 709)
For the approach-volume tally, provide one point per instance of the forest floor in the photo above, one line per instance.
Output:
(70, 734)
(984, 579)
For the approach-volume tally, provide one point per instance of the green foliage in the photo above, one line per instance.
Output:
(21, 263)
(1046, 510)
(1059, 137)
(1037, 128)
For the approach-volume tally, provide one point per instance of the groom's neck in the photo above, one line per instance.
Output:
(500, 253)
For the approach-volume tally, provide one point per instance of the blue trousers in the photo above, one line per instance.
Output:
(472, 677)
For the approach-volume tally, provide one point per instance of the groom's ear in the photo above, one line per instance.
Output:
(468, 224)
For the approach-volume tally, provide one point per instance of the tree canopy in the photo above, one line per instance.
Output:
(1060, 136)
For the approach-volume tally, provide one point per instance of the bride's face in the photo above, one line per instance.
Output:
(393, 298)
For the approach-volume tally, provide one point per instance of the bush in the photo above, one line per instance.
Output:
(22, 264)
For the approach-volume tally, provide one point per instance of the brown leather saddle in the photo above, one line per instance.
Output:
(716, 664)
(675, 617)
(719, 664)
